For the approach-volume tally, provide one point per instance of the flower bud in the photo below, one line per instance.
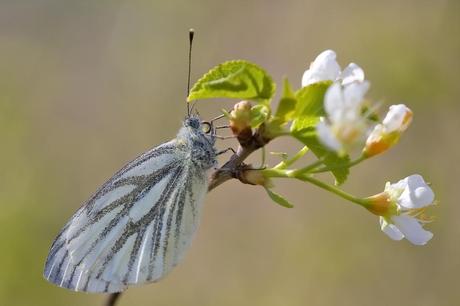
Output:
(381, 204)
(254, 177)
(387, 134)
(379, 141)
(398, 118)
(240, 117)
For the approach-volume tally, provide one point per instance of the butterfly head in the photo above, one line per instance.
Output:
(193, 122)
(200, 136)
(199, 127)
(194, 129)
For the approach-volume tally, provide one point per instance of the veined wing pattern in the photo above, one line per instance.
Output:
(136, 227)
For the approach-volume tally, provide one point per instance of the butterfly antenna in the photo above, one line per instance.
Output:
(191, 33)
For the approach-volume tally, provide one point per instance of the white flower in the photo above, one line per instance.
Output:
(387, 134)
(325, 67)
(397, 119)
(410, 196)
(344, 124)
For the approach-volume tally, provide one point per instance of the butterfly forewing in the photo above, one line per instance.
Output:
(136, 227)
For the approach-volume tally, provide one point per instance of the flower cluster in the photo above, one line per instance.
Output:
(347, 124)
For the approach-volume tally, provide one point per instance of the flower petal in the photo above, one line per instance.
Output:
(398, 118)
(416, 194)
(333, 102)
(352, 73)
(390, 229)
(353, 95)
(324, 67)
(327, 137)
(412, 229)
(375, 135)
(375, 143)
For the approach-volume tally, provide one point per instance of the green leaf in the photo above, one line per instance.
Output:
(338, 164)
(310, 101)
(279, 199)
(234, 79)
(259, 113)
(287, 106)
(309, 107)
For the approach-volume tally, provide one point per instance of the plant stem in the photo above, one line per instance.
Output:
(349, 165)
(307, 178)
(332, 189)
(230, 168)
(272, 172)
(308, 168)
(286, 163)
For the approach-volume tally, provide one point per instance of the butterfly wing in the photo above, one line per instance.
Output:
(135, 228)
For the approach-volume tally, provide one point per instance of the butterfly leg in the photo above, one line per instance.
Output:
(225, 151)
(217, 118)
(225, 137)
(221, 116)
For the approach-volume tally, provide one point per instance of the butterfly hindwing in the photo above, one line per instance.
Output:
(135, 228)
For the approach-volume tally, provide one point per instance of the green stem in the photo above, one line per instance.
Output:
(349, 165)
(286, 163)
(308, 168)
(332, 189)
(306, 178)
(278, 173)
(263, 157)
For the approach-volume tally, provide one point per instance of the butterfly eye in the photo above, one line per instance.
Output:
(206, 127)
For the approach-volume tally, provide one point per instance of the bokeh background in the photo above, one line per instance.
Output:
(87, 85)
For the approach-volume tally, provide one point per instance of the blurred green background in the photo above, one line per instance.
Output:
(87, 85)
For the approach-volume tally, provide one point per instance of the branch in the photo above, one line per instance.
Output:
(248, 143)
(233, 168)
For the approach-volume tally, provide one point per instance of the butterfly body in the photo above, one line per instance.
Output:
(138, 225)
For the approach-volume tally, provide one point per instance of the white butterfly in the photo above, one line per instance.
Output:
(139, 224)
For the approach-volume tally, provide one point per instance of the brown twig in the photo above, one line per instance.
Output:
(248, 143)
(231, 169)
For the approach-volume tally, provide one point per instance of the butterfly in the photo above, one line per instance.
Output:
(139, 224)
